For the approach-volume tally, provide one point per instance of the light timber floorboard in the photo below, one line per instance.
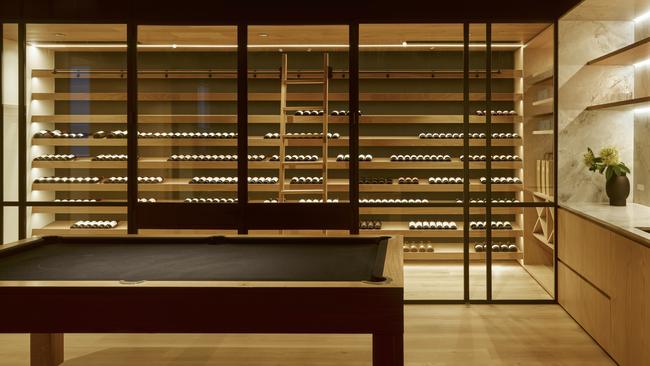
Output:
(444, 281)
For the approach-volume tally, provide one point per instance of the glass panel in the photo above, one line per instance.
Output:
(298, 123)
(10, 108)
(188, 113)
(9, 224)
(411, 97)
(527, 51)
(523, 263)
(77, 112)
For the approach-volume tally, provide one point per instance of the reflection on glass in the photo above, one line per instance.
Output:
(298, 115)
(187, 124)
(77, 114)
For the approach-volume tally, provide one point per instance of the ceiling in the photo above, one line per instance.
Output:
(269, 35)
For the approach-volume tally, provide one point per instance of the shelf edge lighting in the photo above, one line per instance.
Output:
(642, 63)
(175, 46)
(642, 17)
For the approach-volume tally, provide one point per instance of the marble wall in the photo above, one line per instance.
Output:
(641, 182)
(581, 86)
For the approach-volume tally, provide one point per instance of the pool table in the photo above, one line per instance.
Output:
(241, 284)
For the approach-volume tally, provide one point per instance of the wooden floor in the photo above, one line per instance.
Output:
(444, 281)
(531, 335)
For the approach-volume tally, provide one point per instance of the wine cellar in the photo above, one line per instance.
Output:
(423, 150)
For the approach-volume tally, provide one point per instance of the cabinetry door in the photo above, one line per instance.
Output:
(586, 304)
(585, 248)
(630, 301)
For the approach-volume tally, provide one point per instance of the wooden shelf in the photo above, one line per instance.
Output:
(91, 210)
(334, 185)
(401, 228)
(269, 74)
(405, 210)
(457, 254)
(163, 163)
(543, 132)
(541, 77)
(628, 55)
(63, 228)
(268, 119)
(623, 105)
(394, 141)
(542, 102)
(151, 163)
(145, 142)
(273, 97)
(541, 240)
(377, 141)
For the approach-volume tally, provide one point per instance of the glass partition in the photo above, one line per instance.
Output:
(77, 121)
(298, 115)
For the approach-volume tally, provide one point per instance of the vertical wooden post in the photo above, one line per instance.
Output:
(46, 349)
(388, 349)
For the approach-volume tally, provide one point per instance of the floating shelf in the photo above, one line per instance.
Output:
(252, 141)
(377, 141)
(334, 185)
(458, 256)
(623, 105)
(539, 78)
(541, 102)
(543, 132)
(269, 74)
(274, 97)
(628, 55)
(269, 119)
(401, 228)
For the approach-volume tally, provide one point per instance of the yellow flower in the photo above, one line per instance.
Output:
(609, 155)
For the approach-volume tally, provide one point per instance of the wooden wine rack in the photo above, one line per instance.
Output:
(396, 224)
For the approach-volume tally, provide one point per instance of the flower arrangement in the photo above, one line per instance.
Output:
(607, 161)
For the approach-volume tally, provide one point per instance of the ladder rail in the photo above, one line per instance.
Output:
(284, 83)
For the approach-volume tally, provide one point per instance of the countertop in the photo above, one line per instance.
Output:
(622, 220)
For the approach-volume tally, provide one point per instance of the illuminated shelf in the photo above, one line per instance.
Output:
(628, 55)
(401, 228)
(273, 97)
(541, 77)
(252, 141)
(268, 74)
(458, 256)
(334, 185)
(377, 141)
(268, 119)
(623, 105)
(398, 209)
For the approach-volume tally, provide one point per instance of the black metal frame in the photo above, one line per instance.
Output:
(237, 216)
(2, 140)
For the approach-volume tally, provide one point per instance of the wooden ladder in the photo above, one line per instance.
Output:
(285, 112)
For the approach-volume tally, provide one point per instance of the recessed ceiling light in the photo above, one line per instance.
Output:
(59, 34)
(263, 34)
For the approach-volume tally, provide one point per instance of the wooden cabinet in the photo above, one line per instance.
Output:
(585, 249)
(630, 301)
(586, 304)
(604, 283)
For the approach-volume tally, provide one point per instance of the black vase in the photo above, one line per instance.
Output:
(617, 188)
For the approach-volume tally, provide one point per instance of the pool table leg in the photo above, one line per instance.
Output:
(46, 349)
(388, 349)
